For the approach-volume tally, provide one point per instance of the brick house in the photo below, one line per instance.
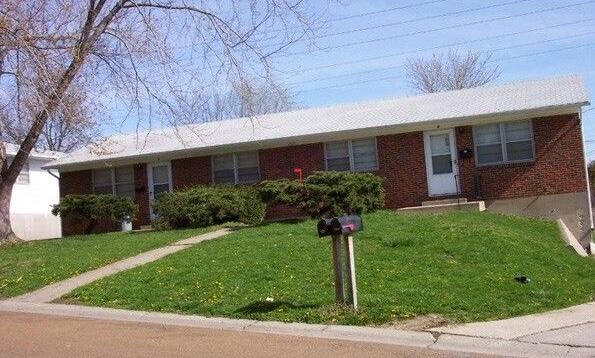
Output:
(518, 147)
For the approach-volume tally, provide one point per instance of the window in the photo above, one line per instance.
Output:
(119, 181)
(503, 143)
(236, 168)
(124, 182)
(441, 156)
(102, 181)
(23, 177)
(353, 155)
(160, 179)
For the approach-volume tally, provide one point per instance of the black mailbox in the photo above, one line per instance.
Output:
(324, 227)
(343, 225)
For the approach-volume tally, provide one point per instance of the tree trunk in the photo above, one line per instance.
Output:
(6, 234)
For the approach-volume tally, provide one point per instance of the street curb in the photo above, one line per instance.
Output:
(350, 333)
(446, 342)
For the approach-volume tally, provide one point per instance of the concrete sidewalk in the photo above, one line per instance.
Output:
(573, 328)
(59, 289)
(545, 343)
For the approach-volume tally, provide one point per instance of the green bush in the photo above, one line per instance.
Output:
(92, 208)
(208, 205)
(325, 194)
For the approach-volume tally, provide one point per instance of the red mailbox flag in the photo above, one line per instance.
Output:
(299, 173)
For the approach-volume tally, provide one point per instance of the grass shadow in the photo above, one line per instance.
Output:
(265, 306)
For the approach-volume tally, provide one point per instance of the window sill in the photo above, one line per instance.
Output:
(524, 163)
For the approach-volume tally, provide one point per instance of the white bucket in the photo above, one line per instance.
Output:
(126, 226)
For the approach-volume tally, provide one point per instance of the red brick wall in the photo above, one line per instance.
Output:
(401, 162)
(80, 182)
(558, 166)
(191, 171)
(278, 163)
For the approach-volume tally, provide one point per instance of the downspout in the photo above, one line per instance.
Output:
(580, 114)
(52, 174)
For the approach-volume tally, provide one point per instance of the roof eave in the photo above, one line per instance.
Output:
(321, 137)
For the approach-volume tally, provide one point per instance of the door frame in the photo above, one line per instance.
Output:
(150, 182)
(453, 156)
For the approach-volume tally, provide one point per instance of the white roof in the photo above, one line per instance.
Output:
(12, 149)
(421, 112)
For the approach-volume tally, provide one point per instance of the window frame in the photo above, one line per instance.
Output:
(503, 142)
(350, 153)
(112, 171)
(236, 168)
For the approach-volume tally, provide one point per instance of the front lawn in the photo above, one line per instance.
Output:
(458, 265)
(28, 266)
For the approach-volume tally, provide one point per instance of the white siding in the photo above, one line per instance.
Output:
(30, 206)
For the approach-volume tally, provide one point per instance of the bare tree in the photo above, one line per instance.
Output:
(73, 125)
(148, 53)
(246, 100)
(454, 70)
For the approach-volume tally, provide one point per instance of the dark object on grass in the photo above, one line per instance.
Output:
(522, 279)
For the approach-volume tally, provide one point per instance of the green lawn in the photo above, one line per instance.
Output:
(30, 265)
(459, 265)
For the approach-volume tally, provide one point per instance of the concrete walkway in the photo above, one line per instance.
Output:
(59, 289)
(543, 342)
(571, 328)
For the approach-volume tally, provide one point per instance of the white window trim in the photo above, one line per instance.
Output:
(350, 152)
(503, 143)
(235, 167)
(113, 178)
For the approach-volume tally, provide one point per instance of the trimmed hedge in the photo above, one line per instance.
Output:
(327, 194)
(95, 207)
(208, 205)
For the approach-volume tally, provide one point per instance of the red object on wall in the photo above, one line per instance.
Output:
(299, 173)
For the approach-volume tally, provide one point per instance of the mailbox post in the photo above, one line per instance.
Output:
(341, 230)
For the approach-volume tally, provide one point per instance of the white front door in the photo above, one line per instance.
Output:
(441, 162)
(159, 181)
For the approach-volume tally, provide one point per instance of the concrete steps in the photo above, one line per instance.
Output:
(444, 201)
(445, 205)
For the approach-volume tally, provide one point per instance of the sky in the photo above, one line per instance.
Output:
(366, 43)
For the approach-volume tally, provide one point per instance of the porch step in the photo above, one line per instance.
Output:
(444, 201)
(440, 208)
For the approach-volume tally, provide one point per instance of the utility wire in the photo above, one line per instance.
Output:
(423, 18)
(452, 44)
(403, 65)
(384, 11)
(403, 76)
(500, 18)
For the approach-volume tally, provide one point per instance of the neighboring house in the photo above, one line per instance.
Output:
(517, 146)
(33, 194)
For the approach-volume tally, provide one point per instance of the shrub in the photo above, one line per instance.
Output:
(93, 208)
(208, 205)
(325, 194)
